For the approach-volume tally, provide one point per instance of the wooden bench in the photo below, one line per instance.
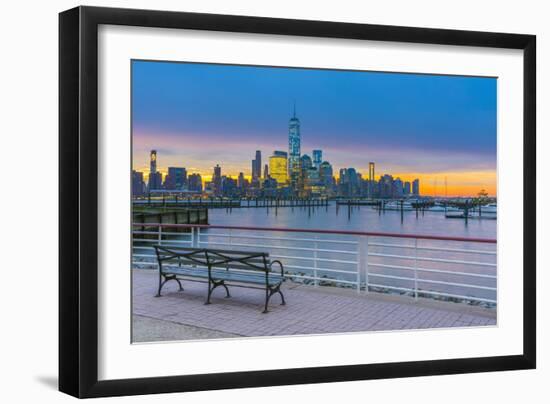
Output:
(220, 268)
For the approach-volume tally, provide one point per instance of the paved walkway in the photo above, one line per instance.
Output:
(309, 310)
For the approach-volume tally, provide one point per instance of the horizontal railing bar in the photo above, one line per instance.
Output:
(315, 259)
(320, 269)
(320, 279)
(462, 285)
(278, 247)
(164, 233)
(175, 234)
(479, 299)
(277, 238)
(433, 248)
(402, 278)
(325, 231)
(439, 271)
(375, 285)
(136, 264)
(408, 257)
(163, 241)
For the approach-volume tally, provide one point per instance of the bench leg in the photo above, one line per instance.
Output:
(214, 286)
(270, 292)
(282, 297)
(267, 296)
(166, 279)
(161, 284)
(226, 290)
(210, 289)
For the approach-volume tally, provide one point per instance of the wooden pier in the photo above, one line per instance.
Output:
(145, 215)
(232, 203)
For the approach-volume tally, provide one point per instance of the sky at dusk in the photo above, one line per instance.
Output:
(412, 126)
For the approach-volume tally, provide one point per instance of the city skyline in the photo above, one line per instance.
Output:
(466, 162)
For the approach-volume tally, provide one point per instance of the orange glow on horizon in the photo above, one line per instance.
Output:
(467, 183)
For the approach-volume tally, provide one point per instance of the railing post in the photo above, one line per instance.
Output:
(160, 243)
(315, 246)
(362, 261)
(415, 269)
(192, 237)
(198, 239)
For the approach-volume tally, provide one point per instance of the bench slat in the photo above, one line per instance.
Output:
(221, 274)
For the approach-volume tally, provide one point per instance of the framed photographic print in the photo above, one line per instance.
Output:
(251, 201)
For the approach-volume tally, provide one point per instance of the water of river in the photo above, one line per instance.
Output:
(363, 218)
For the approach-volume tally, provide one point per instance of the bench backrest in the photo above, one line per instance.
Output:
(181, 256)
(242, 260)
(213, 258)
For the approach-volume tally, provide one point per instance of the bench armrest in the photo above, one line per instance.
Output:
(280, 265)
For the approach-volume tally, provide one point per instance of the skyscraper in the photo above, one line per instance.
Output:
(294, 166)
(137, 183)
(217, 180)
(278, 168)
(370, 187)
(317, 158)
(306, 162)
(416, 187)
(385, 186)
(397, 188)
(257, 166)
(326, 175)
(241, 183)
(153, 162)
(266, 171)
(155, 177)
(176, 178)
(371, 171)
(195, 183)
(407, 188)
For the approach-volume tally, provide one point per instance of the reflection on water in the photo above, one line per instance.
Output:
(362, 218)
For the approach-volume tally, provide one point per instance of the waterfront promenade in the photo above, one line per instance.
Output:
(309, 310)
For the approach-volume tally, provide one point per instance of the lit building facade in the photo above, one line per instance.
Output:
(371, 171)
(278, 168)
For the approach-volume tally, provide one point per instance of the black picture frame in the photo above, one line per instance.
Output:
(78, 196)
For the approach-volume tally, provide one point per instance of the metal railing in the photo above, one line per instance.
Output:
(450, 268)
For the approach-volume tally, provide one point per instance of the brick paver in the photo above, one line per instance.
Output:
(309, 310)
